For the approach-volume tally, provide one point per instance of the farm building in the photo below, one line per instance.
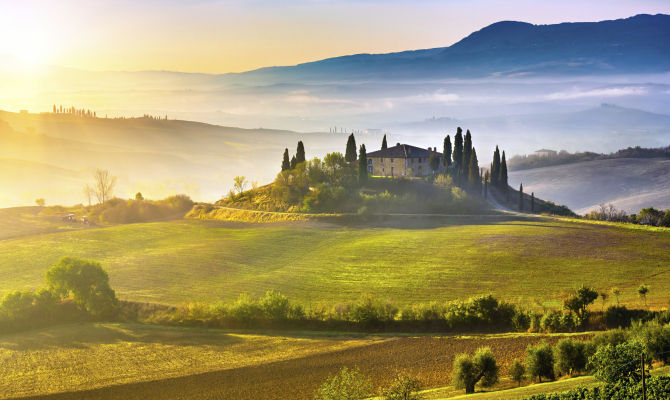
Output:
(545, 153)
(403, 160)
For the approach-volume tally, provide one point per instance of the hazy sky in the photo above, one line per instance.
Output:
(238, 35)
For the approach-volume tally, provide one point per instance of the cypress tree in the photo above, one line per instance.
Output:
(467, 153)
(285, 164)
(294, 162)
(458, 150)
(495, 167)
(446, 151)
(503, 172)
(384, 145)
(473, 175)
(486, 184)
(350, 154)
(532, 202)
(300, 153)
(362, 165)
(521, 197)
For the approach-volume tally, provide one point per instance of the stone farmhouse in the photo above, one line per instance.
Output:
(403, 160)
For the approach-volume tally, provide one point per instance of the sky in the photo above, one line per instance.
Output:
(212, 36)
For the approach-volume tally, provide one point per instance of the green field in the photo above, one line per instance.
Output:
(532, 262)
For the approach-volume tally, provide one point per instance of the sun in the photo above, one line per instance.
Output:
(31, 49)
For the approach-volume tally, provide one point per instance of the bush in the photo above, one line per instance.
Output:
(540, 361)
(403, 387)
(470, 370)
(617, 363)
(517, 371)
(348, 384)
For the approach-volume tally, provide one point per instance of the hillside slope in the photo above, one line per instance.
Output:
(628, 183)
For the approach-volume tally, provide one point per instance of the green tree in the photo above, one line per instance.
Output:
(642, 291)
(579, 301)
(521, 197)
(275, 305)
(85, 281)
(362, 165)
(384, 145)
(403, 387)
(293, 163)
(474, 178)
(446, 151)
(470, 370)
(239, 184)
(285, 164)
(300, 153)
(517, 371)
(434, 162)
(350, 154)
(467, 153)
(618, 363)
(40, 202)
(348, 384)
(540, 361)
(495, 168)
(570, 356)
(503, 173)
(458, 151)
(616, 292)
(138, 196)
(532, 202)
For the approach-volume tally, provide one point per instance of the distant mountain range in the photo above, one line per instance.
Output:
(637, 44)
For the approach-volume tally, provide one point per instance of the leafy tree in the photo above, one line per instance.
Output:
(138, 196)
(40, 202)
(350, 154)
(603, 299)
(446, 151)
(285, 164)
(503, 173)
(570, 356)
(642, 292)
(521, 197)
(517, 371)
(495, 167)
(384, 145)
(580, 300)
(617, 363)
(85, 281)
(362, 165)
(275, 305)
(470, 370)
(348, 384)
(434, 162)
(300, 153)
(616, 292)
(458, 151)
(540, 361)
(473, 172)
(403, 387)
(467, 153)
(240, 184)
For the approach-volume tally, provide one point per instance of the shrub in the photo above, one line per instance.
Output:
(613, 363)
(470, 370)
(348, 384)
(517, 371)
(403, 387)
(540, 361)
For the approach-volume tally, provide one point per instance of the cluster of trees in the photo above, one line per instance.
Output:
(461, 161)
(498, 172)
(75, 290)
(646, 216)
(299, 158)
(351, 384)
(80, 112)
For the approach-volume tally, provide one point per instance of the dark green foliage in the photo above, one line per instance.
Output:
(467, 153)
(532, 202)
(403, 387)
(521, 197)
(657, 388)
(371, 312)
(495, 168)
(293, 163)
(502, 180)
(458, 151)
(362, 166)
(348, 384)
(350, 153)
(618, 363)
(384, 145)
(434, 162)
(579, 301)
(474, 177)
(517, 371)
(286, 163)
(300, 153)
(570, 356)
(469, 370)
(642, 291)
(119, 211)
(85, 282)
(446, 151)
(540, 361)
(655, 337)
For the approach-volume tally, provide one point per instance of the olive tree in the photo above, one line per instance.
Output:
(348, 384)
(540, 361)
(403, 387)
(517, 371)
(470, 370)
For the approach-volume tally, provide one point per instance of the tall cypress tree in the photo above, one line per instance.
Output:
(467, 152)
(532, 202)
(350, 154)
(300, 153)
(495, 167)
(503, 173)
(285, 164)
(446, 151)
(362, 165)
(294, 162)
(384, 145)
(521, 197)
(473, 175)
(458, 150)
(486, 184)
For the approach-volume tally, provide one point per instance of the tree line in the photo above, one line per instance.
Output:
(647, 216)
(79, 112)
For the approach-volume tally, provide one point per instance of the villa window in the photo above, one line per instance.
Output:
(391, 160)
(370, 162)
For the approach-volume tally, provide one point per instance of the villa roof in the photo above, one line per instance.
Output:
(403, 151)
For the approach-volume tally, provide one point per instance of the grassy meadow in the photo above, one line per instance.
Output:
(532, 261)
